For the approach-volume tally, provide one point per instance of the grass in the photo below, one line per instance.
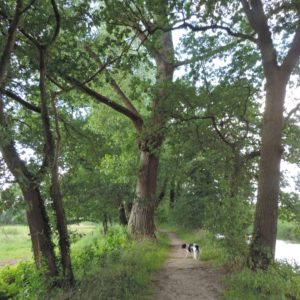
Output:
(114, 266)
(15, 243)
(280, 282)
(111, 266)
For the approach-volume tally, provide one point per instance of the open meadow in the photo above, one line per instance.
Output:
(15, 243)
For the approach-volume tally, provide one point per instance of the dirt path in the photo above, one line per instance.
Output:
(186, 279)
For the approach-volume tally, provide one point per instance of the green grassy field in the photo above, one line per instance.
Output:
(111, 266)
(15, 244)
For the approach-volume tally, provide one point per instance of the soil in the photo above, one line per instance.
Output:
(186, 278)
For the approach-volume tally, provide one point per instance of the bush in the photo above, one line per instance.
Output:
(106, 267)
(114, 267)
(21, 281)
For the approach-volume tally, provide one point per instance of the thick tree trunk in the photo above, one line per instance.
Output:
(141, 221)
(265, 226)
(39, 230)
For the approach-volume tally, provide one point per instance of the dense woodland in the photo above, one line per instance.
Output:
(147, 112)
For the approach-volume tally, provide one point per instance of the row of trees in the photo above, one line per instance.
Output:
(74, 73)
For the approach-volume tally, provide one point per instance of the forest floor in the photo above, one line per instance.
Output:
(185, 278)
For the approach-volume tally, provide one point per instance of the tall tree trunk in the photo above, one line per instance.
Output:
(39, 229)
(277, 76)
(265, 225)
(141, 221)
(61, 222)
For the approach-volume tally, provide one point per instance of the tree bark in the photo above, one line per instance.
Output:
(61, 222)
(39, 229)
(141, 221)
(61, 225)
(122, 215)
(36, 212)
(105, 223)
(172, 194)
(262, 249)
(265, 225)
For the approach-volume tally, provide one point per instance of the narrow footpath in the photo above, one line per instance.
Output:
(185, 278)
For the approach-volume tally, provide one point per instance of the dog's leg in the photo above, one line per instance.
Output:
(195, 254)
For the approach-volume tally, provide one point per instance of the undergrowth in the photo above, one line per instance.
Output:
(111, 266)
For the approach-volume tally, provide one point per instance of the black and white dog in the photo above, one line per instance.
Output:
(191, 248)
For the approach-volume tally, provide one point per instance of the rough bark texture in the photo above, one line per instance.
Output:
(39, 230)
(265, 225)
(141, 221)
(61, 225)
(36, 213)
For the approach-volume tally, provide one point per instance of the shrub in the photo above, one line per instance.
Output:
(21, 281)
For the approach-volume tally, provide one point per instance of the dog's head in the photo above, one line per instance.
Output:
(183, 246)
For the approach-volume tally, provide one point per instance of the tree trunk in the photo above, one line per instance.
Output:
(122, 215)
(105, 223)
(172, 194)
(61, 225)
(265, 226)
(141, 221)
(39, 230)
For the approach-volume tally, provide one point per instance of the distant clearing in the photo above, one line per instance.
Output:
(15, 243)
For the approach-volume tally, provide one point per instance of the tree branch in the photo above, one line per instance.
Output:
(8, 48)
(222, 137)
(48, 150)
(136, 119)
(196, 28)
(289, 115)
(21, 101)
(258, 20)
(203, 57)
(251, 155)
(293, 54)
(57, 27)
(113, 83)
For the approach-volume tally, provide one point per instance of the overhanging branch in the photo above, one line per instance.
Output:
(136, 119)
